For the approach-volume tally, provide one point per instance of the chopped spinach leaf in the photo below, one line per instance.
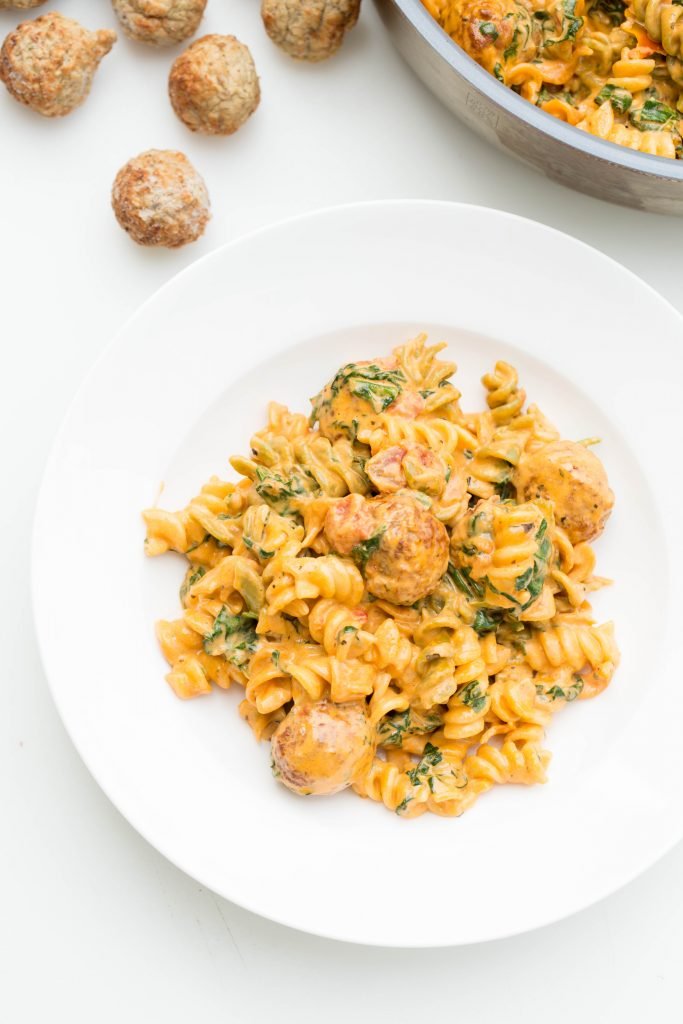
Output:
(233, 636)
(463, 580)
(255, 547)
(621, 99)
(653, 116)
(190, 579)
(431, 756)
(489, 30)
(614, 10)
(485, 621)
(362, 552)
(472, 696)
(377, 386)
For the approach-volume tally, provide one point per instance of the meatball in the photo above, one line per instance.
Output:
(160, 199)
(411, 552)
(359, 393)
(570, 476)
(322, 748)
(49, 63)
(20, 5)
(213, 85)
(159, 22)
(486, 28)
(309, 29)
(401, 548)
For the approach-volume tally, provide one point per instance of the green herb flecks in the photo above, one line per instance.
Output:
(403, 804)
(485, 621)
(489, 30)
(463, 580)
(621, 99)
(431, 756)
(362, 552)
(569, 693)
(472, 527)
(233, 636)
(374, 384)
(505, 489)
(472, 696)
(501, 593)
(533, 579)
(511, 50)
(350, 429)
(613, 10)
(570, 24)
(207, 536)
(277, 491)
(392, 729)
(653, 116)
(191, 577)
(257, 549)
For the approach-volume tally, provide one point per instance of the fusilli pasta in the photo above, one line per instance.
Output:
(400, 587)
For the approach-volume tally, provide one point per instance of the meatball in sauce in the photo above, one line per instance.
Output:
(401, 548)
(321, 748)
(575, 481)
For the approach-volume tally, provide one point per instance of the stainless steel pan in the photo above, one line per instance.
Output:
(559, 151)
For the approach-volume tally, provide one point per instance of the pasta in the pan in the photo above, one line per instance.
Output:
(609, 68)
(399, 587)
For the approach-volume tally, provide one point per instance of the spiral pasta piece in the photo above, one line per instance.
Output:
(387, 784)
(662, 22)
(326, 576)
(574, 645)
(520, 763)
(505, 398)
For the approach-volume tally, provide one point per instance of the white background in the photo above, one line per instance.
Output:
(94, 924)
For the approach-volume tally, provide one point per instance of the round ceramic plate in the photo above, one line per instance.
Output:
(185, 384)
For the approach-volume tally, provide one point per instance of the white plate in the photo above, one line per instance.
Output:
(185, 384)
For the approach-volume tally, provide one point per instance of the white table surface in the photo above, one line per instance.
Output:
(94, 924)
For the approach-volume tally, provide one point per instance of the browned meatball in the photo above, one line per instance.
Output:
(309, 29)
(322, 748)
(575, 481)
(49, 63)
(213, 85)
(20, 5)
(160, 199)
(159, 22)
(411, 554)
(359, 393)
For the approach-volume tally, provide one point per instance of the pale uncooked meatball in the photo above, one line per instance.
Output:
(159, 22)
(49, 63)
(309, 29)
(574, 479)
(160, 199)
(322, 748)
(20, 5)
(359, 393)
(213, 85)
